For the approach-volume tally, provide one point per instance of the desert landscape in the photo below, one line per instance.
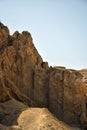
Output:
(34, 95)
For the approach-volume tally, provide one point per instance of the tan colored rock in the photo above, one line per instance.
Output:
(84, 74)
(8, 90)
(14, 115)
(14, 128)
(63, 92)
(45, 65)
(30, 118)
(18, 60)
(14, 92)
(40, 119)
(41, 91)
(4, 35)
(3, 90)
(26, 78)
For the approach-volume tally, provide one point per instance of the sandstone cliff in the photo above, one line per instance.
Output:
(25, 80)
(18, 58)
(63, 92)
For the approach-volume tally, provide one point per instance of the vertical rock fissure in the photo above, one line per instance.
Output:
(32, 89)
(48, 90)
(63, 96)
(57, 88)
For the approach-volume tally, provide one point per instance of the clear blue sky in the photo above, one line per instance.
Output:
(58, 28)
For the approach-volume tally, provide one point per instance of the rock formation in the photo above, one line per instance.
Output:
(20, 117)
(84, 74)
(63, 92)
(27, 81)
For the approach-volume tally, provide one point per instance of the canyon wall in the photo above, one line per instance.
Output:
(63, 92)
(25, 77)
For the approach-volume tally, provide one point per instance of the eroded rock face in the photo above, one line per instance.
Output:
(63, 92)
(26, 78)
(41, 91)
(84, 78)
(3, 90)
(84, 74)
(8, 91)
(4, 35)
(18, 59)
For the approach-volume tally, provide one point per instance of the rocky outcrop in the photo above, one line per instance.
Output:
(10, 111)
(4, 35)
(41, 89)
(40, 119)
(84, 74)
(18, 59)
(20, 117)
(8, 91)
(63, 92)
(4, 96)
(26, 79)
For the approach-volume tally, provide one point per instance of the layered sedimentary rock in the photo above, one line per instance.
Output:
(25, 78)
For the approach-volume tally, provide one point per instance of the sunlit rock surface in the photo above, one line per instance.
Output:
(27, 81)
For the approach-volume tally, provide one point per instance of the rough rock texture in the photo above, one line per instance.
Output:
(84, 74)
(84, 78)
(4, 35)
(9, 113)
(63, 92)
(18, 59)
(8, 90)
(40, 119)
(25, 78)
(10, 110)
(41, 90)
(19, 117)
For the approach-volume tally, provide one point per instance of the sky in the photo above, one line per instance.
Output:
(58, 28)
